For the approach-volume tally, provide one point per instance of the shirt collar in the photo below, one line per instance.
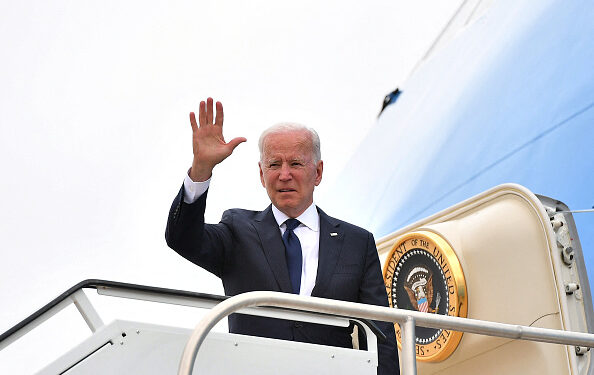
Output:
(310, 217)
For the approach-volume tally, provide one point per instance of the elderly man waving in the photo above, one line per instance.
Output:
(291, 246)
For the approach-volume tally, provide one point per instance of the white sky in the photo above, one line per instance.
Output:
(94, 103)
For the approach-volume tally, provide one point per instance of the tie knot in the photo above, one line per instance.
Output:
(292, 224)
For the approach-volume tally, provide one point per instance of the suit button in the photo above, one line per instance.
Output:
(298, 325)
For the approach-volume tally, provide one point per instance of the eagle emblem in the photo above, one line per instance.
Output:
(415, 278)
(419, 286)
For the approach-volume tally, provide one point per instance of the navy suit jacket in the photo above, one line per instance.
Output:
(247, 252)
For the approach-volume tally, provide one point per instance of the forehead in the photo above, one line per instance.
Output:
(288, 143)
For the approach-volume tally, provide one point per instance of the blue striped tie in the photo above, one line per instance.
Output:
(293, 253)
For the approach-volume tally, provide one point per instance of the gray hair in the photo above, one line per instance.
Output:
(291, 126)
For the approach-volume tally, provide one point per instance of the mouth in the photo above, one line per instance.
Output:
(286, 190)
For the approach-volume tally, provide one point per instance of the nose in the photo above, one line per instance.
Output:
(285, 172)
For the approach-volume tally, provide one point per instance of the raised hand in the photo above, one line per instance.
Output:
(208, 143)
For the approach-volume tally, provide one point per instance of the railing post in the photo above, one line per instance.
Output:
(86, 309)
(408, 355)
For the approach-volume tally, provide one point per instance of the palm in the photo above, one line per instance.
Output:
(208, 143)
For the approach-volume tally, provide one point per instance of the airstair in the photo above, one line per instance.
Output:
(521, 300)
(129, 347)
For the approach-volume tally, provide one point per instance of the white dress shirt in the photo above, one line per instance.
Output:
(193, 190)
(308, 232)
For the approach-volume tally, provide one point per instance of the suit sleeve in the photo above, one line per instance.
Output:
(373, 292)
(206, 245)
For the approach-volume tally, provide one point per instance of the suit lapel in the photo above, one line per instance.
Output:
(273, 247)
(331, 240)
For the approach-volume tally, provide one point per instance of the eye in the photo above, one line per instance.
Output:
(273, 165)
(296, 164)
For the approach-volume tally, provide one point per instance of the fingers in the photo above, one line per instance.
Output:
(209, 112)
(220, 116)
(202, 113)
(193, 122)
(235, 142)
(206, 113)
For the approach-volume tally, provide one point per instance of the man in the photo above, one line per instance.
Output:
(292, 246)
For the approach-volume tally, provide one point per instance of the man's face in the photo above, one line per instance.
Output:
(288, 171)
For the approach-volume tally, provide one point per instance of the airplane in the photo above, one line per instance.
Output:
(498, 111)
(504, 95)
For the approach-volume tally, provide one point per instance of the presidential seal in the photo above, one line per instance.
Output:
(422, 273)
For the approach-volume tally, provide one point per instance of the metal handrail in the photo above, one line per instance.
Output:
(65, 299)
(76, 296)
(406, 318)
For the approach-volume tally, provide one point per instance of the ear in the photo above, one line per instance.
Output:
(319, 170)
(261, 174)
